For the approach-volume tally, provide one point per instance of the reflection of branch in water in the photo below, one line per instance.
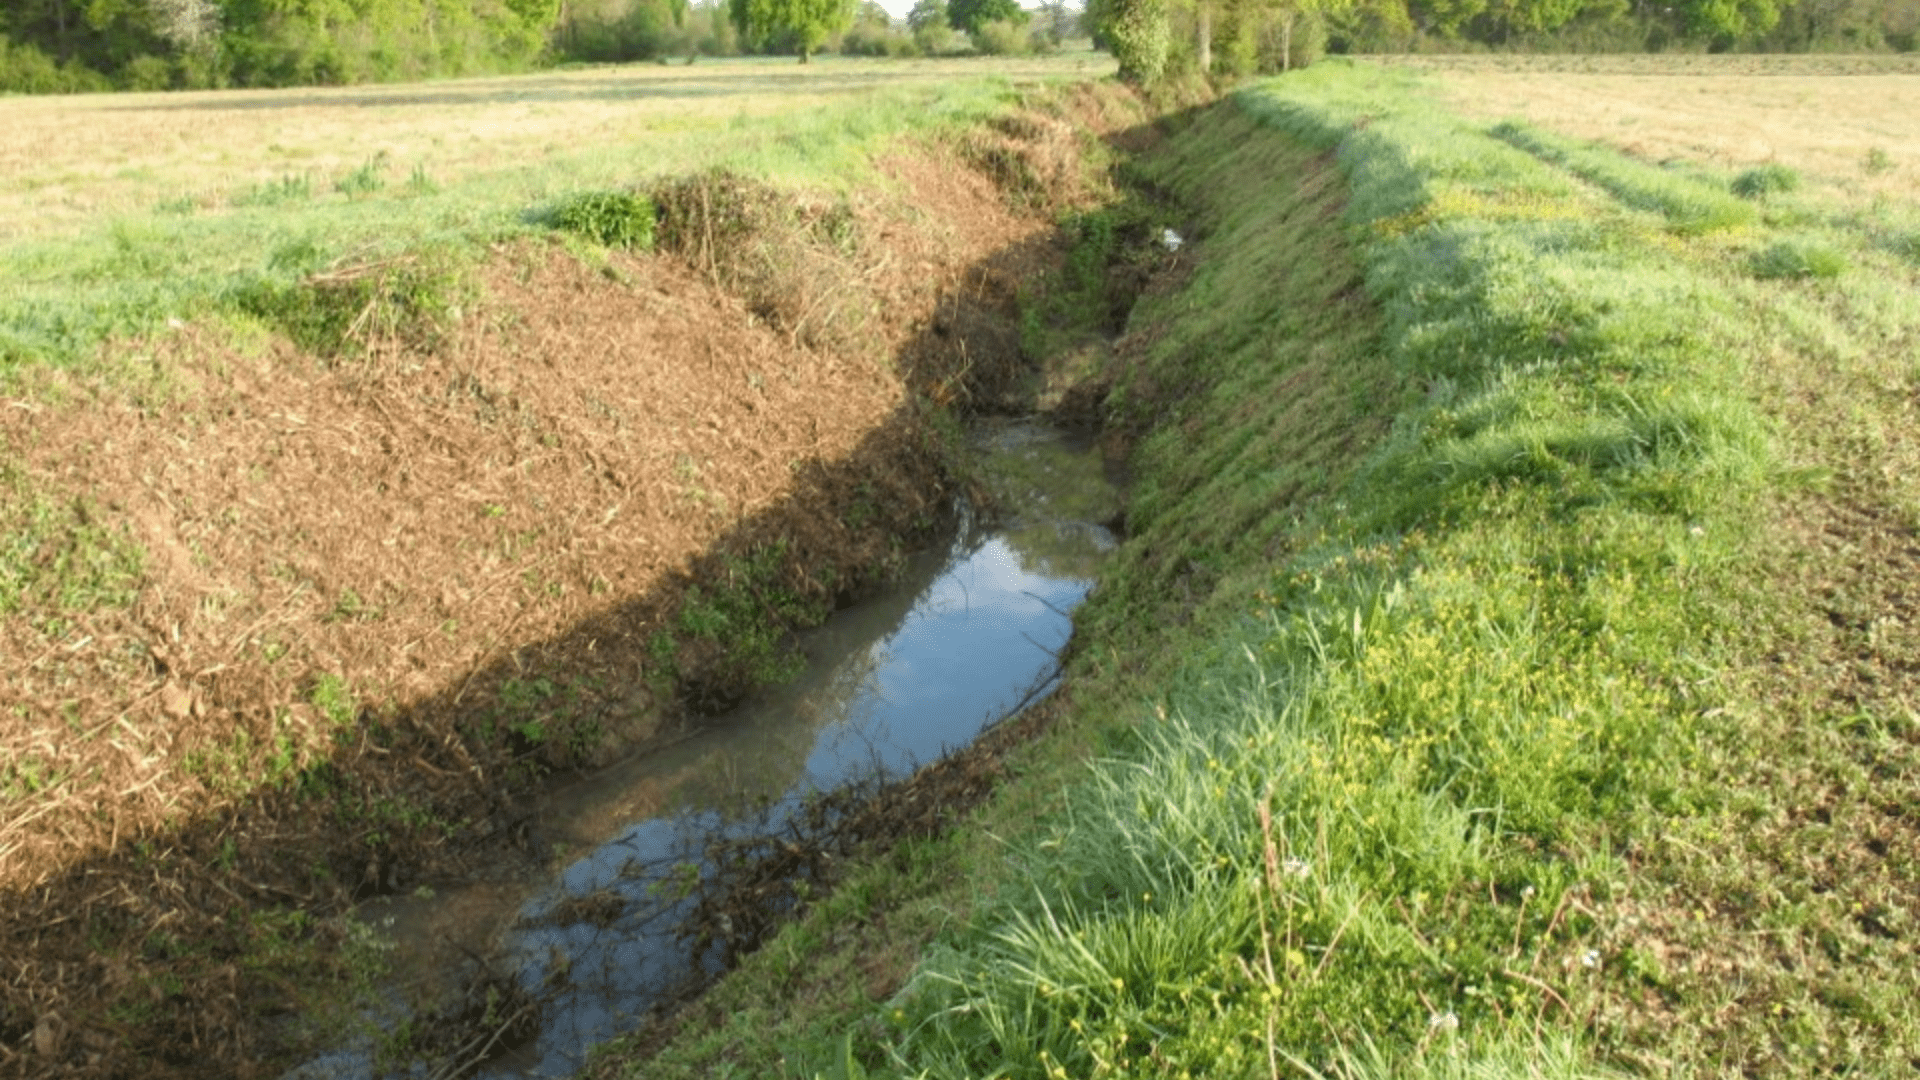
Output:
(1044, 600)
(1050, 652)
(455, 1066)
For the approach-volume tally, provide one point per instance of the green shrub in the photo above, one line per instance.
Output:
(1765, 180)
(26, 70)
(614, 218)
(1797, 259)
(1002, 37)
(146, 73)
(939, 39)
(877, 39)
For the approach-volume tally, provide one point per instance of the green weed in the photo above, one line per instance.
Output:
(334, 698)
(1796, 259)
(367, 179)
(616, 219)
(291, 188)
(1764, 180)
(59, 559)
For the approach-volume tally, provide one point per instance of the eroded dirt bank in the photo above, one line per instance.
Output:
(315, 623)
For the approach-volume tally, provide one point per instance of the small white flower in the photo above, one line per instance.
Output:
(1444, 1021)
(1170, 240)
(1697, 531)
(1526, 893)
(1297, 868)
(1591, 958)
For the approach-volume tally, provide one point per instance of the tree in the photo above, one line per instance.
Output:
(802, 25)
(192, 25)
(1137, 34)
(1729, 20)
(969, 16)
(927, 13)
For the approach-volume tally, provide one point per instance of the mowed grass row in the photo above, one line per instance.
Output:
(1447, 572)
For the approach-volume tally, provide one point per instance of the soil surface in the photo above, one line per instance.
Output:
(376, 599)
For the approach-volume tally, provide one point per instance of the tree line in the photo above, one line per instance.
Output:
(51, 46)
(60, 46)
(1157, 38)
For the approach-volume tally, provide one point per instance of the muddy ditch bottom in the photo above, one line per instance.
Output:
(668, 866)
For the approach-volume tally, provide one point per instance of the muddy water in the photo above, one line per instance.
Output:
(969, 633)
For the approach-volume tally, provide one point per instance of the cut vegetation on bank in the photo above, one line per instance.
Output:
(304, 595)
(1508, 671)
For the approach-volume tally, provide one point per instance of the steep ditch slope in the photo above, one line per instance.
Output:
(301, 623)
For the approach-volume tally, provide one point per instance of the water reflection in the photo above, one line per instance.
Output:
(905, 688)
(889, 685)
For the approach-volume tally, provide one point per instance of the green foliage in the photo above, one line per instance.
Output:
(1730, 19)
(970, 16)
(1002, 37)
(1797, 259)
(291, 188)
(618, 219)
(642, 30)
(749, 614)
(800, 26)
(1764, 180)
(928, 13)
(1137, 33)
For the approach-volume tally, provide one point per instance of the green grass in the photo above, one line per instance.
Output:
(1689, 205)
(59, 559)
(1435, 703)
(65, 295)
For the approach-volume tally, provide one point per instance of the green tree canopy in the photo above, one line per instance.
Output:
(971, 15)
(927, 13)
(801, 25)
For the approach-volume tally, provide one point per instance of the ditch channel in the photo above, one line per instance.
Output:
(654, 856)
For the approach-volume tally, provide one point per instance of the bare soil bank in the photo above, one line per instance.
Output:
(342, 612)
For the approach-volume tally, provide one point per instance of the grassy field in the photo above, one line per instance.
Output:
(1509, 669)
(1842, 122)
(119, 212)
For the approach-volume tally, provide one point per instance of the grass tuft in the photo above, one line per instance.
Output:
(1764, 180)
(1797, 259)
(615, 219)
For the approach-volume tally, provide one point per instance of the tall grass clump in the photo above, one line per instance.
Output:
(1795, 258)
(1437, 486)
(1763, 180)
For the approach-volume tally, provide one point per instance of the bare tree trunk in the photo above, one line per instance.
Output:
(60, 25)
(1204, 47)
(1286, 42)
